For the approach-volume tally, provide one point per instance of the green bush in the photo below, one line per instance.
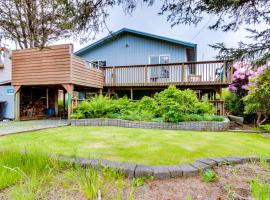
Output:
(265, 128)
(174, 104)
(170, 105)
(233, 103)
(97, 107)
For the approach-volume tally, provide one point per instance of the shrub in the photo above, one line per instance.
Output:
(174, 104)
(266, 128)
(170, 105)
(97, 107)
(204, 107)
(257, 100)
(234, 103)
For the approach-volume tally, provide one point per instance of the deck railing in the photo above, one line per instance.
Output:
(187, 73)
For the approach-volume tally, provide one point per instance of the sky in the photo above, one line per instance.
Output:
(146, 19)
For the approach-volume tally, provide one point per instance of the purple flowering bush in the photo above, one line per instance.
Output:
(258, 98)
(242, 72)
(233, 100)
(242, 99)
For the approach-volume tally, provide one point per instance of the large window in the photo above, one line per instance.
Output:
(162, 71)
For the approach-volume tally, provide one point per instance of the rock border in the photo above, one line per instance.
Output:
(132, 170)
(194, 125)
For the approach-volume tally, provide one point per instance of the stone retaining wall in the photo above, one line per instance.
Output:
(198, 126)
(164, 171)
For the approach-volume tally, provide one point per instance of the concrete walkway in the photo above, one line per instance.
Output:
(12, 127)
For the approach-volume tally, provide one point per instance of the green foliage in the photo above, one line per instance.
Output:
(98, 106)
(233, 103)
(174, 104)
(15, 167)
(264, 164)
(33, 175)
(209, 176)
(138, 181)
(260, 189)
(257, 100)
(90, 182)
(265, 128)
(188, 198)
(170, 105)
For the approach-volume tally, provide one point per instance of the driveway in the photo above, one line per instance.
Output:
(11, 127)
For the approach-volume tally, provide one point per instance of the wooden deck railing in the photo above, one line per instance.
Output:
(187, 73)
(84, 74)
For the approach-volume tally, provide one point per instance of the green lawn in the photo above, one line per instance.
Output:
(144, 146)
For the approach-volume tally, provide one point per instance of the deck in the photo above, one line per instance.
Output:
(54, 65)
(206, 73)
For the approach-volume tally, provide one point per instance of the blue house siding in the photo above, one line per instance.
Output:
(131, 49)
(7, 96)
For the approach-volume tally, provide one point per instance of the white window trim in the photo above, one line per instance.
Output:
(99, 60)
(159, 56)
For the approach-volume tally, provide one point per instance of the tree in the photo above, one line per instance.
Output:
(230, 15)
(257, 100)
(36, 23)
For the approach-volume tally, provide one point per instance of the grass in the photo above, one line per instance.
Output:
(32, 176)
(146, 146)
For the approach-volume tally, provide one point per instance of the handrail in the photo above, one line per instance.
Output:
(89, 64)
(201, 72)
(171, 64)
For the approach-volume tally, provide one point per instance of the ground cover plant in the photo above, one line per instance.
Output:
(145, 146)
(170, 105)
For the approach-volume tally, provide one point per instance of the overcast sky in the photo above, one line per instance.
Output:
(147, 20)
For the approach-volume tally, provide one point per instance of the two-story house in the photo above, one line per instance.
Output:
(126, 62)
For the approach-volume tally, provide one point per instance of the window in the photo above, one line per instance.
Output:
(159, 72)
(98, 63)
(164, 71)
(164, 59)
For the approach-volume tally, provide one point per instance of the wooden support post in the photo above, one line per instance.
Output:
(17, 102)
(64, 101)
(131, 93)
(220, 92)
(17, 106)
(47, 98)
(109, 92)
(69, 88)
(56, 102)
(100, 91)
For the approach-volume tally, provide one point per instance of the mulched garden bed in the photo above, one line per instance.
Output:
(233, 183)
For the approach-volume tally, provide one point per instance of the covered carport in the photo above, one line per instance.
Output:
(38, 76)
